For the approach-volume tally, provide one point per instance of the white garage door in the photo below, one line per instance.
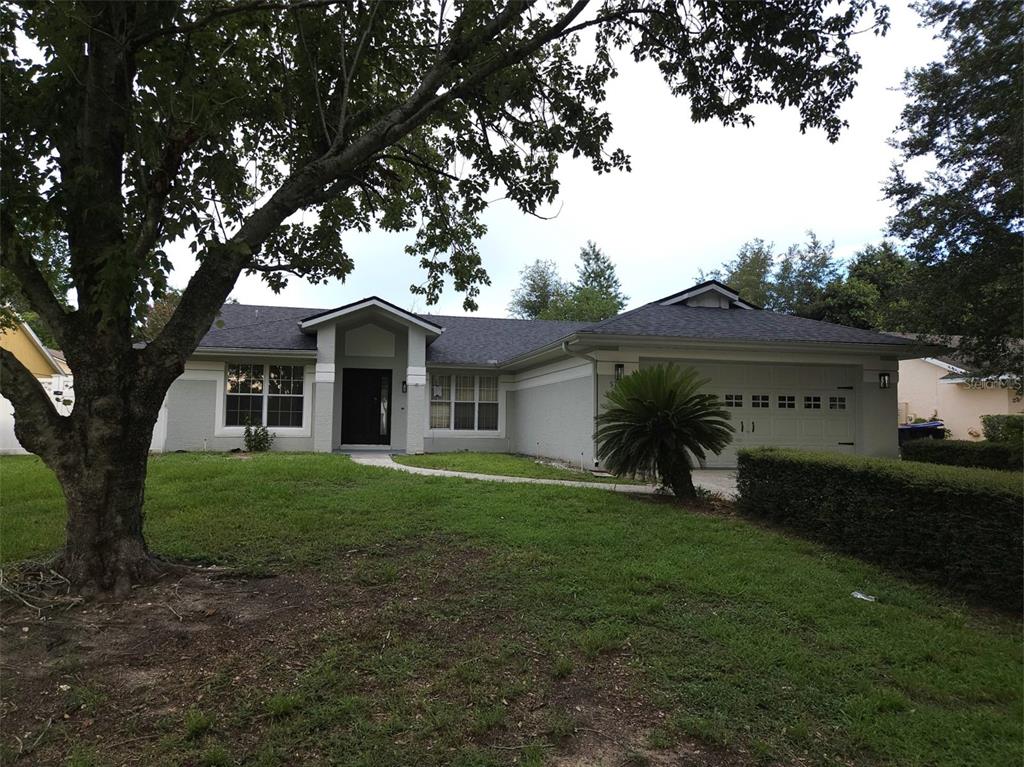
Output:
(811, 407)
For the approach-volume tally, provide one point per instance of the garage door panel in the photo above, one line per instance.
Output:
(806, 408)
(811, 429)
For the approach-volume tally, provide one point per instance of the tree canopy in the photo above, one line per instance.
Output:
(595, 295)
(875, 290)
(262, 133)
(539, 286)
(793, 282)
(963, 219)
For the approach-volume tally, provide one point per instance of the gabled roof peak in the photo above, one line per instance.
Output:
(314, 320)
(708, 294)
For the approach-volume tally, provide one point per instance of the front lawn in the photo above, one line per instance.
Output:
(424, 620)
(503, 464)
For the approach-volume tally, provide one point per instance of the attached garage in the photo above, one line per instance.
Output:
(813, 407)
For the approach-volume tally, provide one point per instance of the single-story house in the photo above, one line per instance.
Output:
(49, 368)
(946, 388)
(372, 375)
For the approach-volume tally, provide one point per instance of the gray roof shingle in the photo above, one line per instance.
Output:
(243, 326)
(489, 341)
(703, 323)
(484, 340)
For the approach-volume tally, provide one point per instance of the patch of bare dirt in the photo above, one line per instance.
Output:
(111, 676)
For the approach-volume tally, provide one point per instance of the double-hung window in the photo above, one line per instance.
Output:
(260, 394)
(284, 395)
(463, 402)
(245, 395)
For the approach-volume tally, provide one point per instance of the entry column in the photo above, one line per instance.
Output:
(323, 391)
(416, 398)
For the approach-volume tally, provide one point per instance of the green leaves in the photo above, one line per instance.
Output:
(963, 221)
(288, 126)
(656, 421)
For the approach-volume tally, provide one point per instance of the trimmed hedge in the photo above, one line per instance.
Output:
(962, 527)
(962, 452)
(1003, 428)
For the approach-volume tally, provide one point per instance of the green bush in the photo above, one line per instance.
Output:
(961, 452)
(961, 526)
(1003, 428)
(257, 439)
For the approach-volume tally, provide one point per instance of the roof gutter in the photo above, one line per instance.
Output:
(593, 375)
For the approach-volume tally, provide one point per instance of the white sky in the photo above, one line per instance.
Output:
(695, 195)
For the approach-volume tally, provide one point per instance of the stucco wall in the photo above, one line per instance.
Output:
(555, 418)
(922, 394)
(192, 420)
(475, 444)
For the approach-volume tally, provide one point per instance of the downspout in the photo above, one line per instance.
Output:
(593, 363)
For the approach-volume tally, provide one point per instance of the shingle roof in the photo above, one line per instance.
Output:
(484, 340)
(711, 324)
(243, 326)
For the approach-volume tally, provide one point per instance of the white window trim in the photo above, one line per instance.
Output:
(308, 377)
(474, 433)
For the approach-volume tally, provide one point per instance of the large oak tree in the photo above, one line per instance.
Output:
(128, 126)
(963, 219)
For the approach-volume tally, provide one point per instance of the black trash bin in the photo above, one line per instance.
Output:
(928, 430)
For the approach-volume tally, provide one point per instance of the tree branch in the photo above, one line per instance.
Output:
(231, 10)
(349, 74)
(15, 258)
(210, 285)
(37, 424)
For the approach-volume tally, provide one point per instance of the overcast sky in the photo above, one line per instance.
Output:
(695, 195)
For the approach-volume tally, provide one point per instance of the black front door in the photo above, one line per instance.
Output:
(365, 407)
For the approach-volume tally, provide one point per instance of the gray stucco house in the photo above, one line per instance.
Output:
(372, 374)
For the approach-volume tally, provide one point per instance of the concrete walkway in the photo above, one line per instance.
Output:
(720, 481)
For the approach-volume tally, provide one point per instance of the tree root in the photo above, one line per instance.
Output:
(63, 583)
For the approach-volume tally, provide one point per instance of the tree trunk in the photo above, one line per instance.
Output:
(677, 475)
(99, 454)
(104, 489)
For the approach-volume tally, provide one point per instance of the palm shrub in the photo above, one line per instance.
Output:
(657, 421)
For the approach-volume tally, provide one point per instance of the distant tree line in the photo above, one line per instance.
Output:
(875, 290)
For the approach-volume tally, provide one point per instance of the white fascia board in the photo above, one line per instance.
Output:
(371, 303)
(207, 352)
(707, 288)
(945, 365)
(57, 369)
(889, 350)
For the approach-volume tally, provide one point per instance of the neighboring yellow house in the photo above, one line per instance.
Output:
(932, 387)
(46, 365)
(26, 346)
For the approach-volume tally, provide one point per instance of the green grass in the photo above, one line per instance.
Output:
(739, 636)
(502, 464)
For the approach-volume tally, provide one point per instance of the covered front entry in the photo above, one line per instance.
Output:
(365, 406)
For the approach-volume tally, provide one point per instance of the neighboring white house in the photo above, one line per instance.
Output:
(372, 375)
(945, 389)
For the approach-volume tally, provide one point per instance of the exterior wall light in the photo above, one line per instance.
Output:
(405, 388)
(620, 370)
(883, 380)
